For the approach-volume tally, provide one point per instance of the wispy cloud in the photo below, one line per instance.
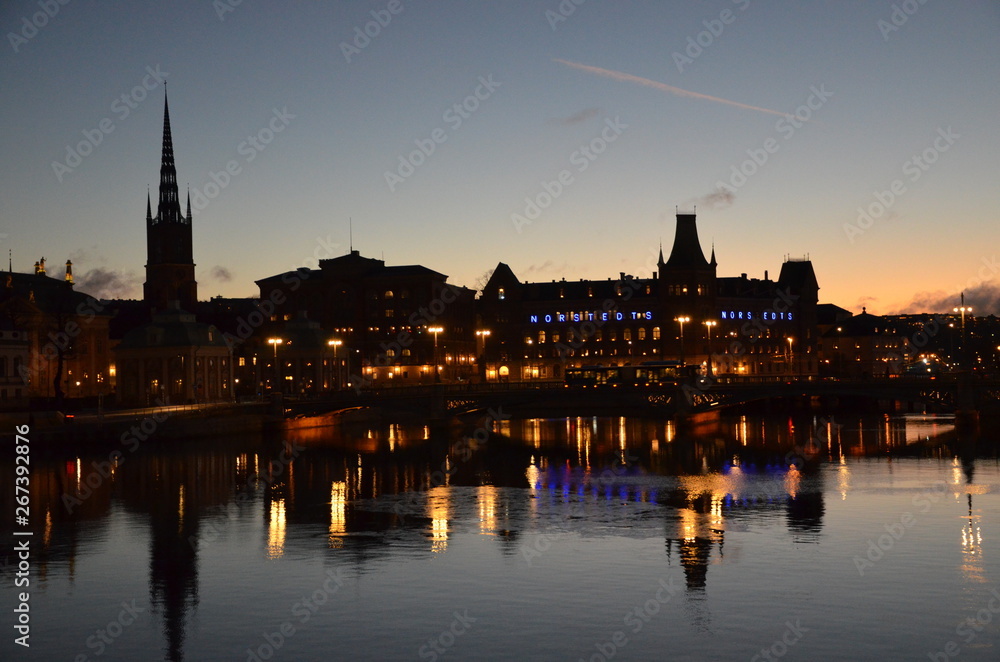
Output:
(104, 283)
(719, 198)
(222, 274)
(546, 267)
(576, 118)
(629, 78)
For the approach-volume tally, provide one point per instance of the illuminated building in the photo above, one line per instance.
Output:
(66, 334)
(383, 316)
(682, 311)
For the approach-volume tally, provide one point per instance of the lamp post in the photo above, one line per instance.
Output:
(709, 324)
(436, 330)
(963, 309)
(482, 335)
(274, 342)
(681, 320)
(335, 344)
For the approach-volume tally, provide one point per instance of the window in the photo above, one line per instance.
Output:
(627, 334)
(541, 337)
(500, 294)
(388, 294)
(642, 333)
(656, 333)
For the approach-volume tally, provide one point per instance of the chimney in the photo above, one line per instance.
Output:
(765, 274)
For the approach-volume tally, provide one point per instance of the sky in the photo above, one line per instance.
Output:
(559, 137)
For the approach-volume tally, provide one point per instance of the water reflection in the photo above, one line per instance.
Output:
(357, 492)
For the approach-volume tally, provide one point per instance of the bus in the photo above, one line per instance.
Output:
(648, 373)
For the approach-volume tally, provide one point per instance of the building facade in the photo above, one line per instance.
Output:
(173, 360)
(66, 335)
(388, 325)
(683, 311)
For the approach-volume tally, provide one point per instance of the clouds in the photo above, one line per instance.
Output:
(221, 274)
(577, 118)
(984, 299)
(719, 198)
(104, 283)
(547, 267)
(663, 87)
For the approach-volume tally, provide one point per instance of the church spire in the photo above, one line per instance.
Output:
(169, 209)
(149, 209)
(659, 262)
(189, 207)
(713, 262)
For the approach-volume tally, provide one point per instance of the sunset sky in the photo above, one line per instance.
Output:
(606, 115)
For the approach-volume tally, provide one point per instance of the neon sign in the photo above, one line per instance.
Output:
(596, 316)
(767, 315)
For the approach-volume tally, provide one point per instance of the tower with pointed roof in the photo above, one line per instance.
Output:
(687, 279)
(169, 259)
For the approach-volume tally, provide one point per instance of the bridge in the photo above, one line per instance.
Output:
(703, 394)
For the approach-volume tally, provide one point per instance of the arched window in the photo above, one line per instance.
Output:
(388, 294)
(627, 334)
(642, 333)
(541, 337)
(656, 333)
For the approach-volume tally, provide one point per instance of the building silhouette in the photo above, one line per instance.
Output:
(169, 259)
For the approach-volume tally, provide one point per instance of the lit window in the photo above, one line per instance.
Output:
(500, 294)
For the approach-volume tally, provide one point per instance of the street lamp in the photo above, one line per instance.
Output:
(681, 320)
(335, 344)
(963, 309)
(277, 373)
(482, 334)
(436, 330)
(710, 324)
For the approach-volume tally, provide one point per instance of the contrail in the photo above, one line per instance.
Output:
(629, 78)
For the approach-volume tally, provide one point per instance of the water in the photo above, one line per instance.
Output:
(863, 538)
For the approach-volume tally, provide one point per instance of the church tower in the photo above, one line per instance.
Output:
(169, 261)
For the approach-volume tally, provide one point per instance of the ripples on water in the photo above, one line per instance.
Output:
(555, 539)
